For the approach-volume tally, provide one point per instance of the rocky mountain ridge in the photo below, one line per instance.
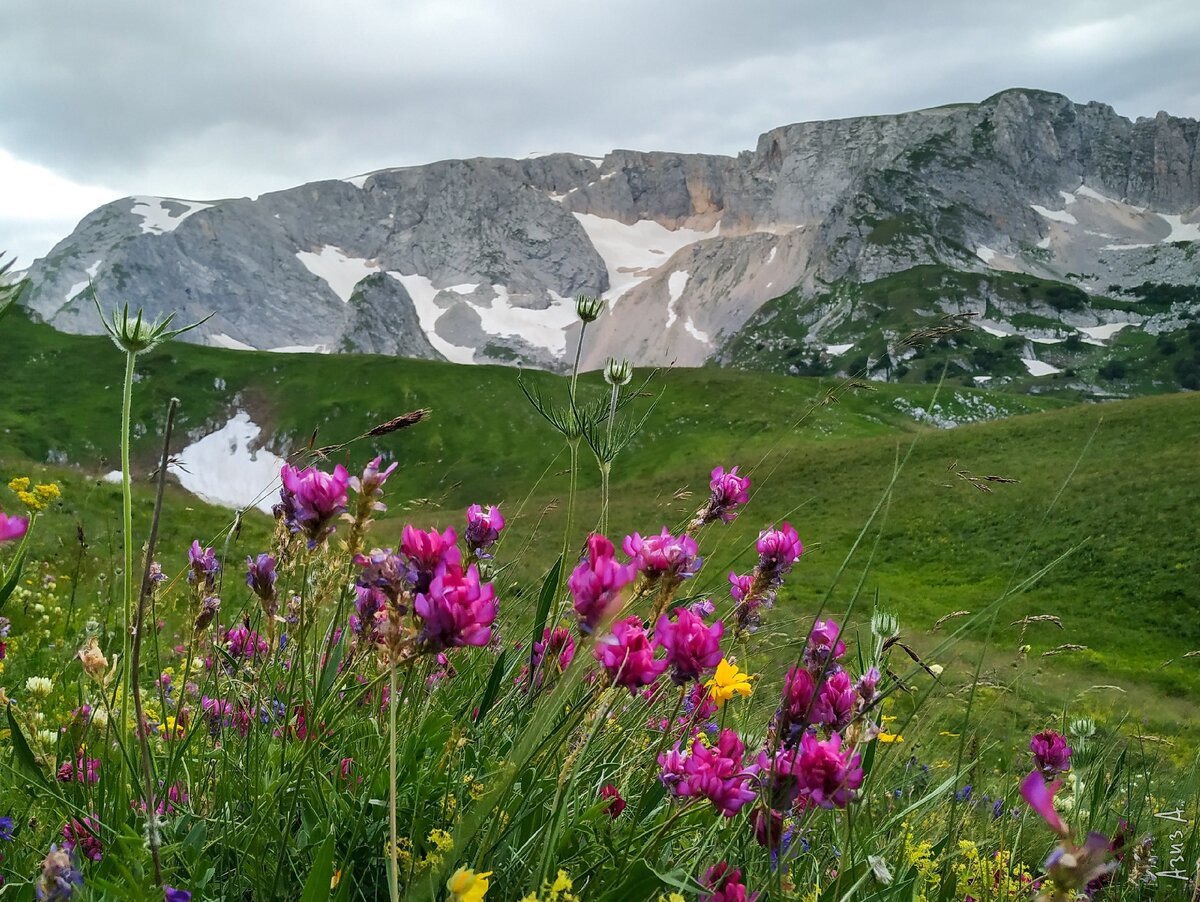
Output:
(700, 257)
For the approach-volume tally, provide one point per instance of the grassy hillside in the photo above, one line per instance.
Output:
(1115, 485)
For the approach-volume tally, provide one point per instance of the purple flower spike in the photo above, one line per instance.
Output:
(778, 549)
(824, 644)
(260, 577)
(60, 877)
(664, 555)
(204, 566)
(311, 500)
(12, 527)
(836, 702)
(369, 603)
(176, 895)
(1051, 754)
(596, 583)
(692, 647)
(483, 530)
(1040, 797)
(828, 773)
(628, 656)
(457, 610)
(558, 646)
(729, 490)
(725, 885)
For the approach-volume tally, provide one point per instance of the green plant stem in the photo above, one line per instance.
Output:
(393, 863)
(127, 512)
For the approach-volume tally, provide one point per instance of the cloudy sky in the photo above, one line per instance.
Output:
(227, 98)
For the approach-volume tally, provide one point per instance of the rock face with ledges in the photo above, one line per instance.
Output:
(478, 260)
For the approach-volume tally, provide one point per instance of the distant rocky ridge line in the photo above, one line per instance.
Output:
(477, 261)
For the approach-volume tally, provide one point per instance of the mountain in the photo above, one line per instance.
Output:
(1067, 232)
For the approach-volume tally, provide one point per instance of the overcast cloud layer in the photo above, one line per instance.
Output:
(225, 98)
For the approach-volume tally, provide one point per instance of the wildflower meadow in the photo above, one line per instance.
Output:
(354, 703)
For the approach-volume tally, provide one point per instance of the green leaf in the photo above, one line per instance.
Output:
(9, 581)
(316, 887)
(545, 599)
(24, 754)
(493, 687)
(331, 666)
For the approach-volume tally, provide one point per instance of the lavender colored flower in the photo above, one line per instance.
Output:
(204, 567)
(483, 530)
(457, 610)
(369, 602)
(12, 527)
(172, 894)
(867, 686)
(596, 582)
(628, 657)
(260, 577)
(311, 500)
(664, 555)
(1051, 754)
(424, 552)
(6, 829)
(692, 647)
(387, 572)
(369, 486)
(60, 877)
(208, 612)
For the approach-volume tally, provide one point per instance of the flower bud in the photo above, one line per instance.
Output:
(617, 372)
(588, 307)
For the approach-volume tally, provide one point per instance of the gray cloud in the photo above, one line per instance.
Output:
(229, 98)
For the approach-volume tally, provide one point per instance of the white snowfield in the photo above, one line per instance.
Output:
(1055, 215)
(339, 271)
(985, 253)
(1038, 368)
(221, 340)
(632, 253)
(1106, 331)
(837, 350)
(157, 219)
(423, 295)
(227, 468)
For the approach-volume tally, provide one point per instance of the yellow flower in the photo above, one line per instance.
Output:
(19, 484)
(890, 737)
(466, 885)
(441, 840)
(335, 879)
(888, 718)
(728, 680)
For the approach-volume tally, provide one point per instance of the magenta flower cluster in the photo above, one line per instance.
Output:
(12, 527)
(596, 582)
(1051, 754)
(663, 555)
(483, 530)
(310, 500)
(627, 655)
(715, 773)
(724, 884)
(692, 646)
(457, 609)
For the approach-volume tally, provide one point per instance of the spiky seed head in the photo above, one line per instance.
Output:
(884, 625)
(588, 307)
(617, 372)
(133, 335)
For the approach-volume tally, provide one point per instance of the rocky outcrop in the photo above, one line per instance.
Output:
(477, 260)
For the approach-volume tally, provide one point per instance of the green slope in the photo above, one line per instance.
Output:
(1116, 485)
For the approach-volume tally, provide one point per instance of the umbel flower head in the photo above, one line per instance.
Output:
(133, 335)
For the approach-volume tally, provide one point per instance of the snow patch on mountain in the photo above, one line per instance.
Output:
(221, 340)
(632, 253)
(544, 328)
(424, 298)
(228, 468)
(1105, 331)
(340, 272)
(1055, 215)
(157, 219)
(1039, 368)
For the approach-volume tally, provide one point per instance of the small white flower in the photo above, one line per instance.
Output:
(936, 669)
(39, 687)
(48, 737)
(100, 717)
